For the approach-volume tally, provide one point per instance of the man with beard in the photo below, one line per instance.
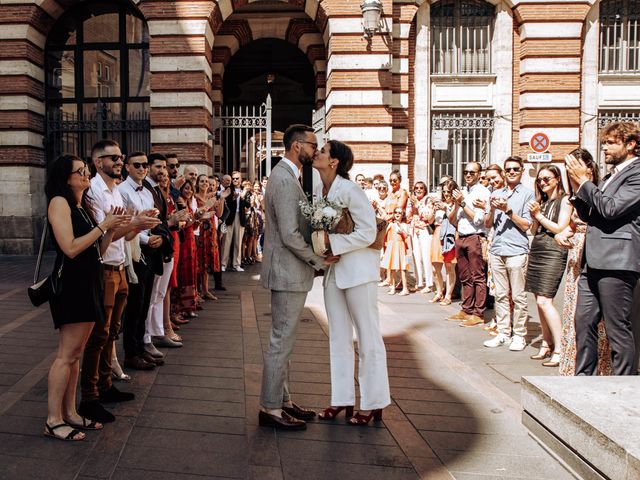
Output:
(612, 249)
(173, 165)
(287, 270)
(95, 380)
(235, 222)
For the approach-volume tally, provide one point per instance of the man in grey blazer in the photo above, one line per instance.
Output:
(612, 249)
(288, 266)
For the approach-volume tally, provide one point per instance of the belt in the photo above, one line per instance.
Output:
(471, 235)
(114, 268)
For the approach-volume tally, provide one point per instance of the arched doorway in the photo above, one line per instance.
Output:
(266, 67)
(97, 79)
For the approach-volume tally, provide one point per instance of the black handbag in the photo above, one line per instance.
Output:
(44, 290)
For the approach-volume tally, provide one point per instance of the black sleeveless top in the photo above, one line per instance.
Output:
(81, 296)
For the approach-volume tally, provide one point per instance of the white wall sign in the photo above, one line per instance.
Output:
(440, 139)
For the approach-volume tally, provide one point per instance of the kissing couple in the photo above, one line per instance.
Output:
(350, 286)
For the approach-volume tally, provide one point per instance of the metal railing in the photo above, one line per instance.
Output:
(68, 133)
(461, 33)
(620, 36)
(469, 137)
(243, 133)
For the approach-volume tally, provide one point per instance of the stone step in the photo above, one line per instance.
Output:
(591, 424)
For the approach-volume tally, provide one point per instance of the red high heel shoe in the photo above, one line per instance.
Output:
(331, 413)
(360, 419)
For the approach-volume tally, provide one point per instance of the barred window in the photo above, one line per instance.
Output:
(619, 38)
(461, 33)
(469, 140)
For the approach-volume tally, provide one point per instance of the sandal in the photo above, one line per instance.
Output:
(392, 290)
(445, 301)
(554, 361)
(210, 296)
(384, 283)
(175, 337)
(86, 424)
(404, 293)
(331, 413)
(360, 419)
(437, 298)
(544, 352)
(71, 437)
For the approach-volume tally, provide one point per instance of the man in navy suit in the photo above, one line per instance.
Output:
(612, 249)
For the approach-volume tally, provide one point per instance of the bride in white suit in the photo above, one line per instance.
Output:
(351, 295)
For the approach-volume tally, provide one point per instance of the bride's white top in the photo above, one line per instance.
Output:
(358, 264)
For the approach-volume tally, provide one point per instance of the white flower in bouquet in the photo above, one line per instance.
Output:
(322, 215)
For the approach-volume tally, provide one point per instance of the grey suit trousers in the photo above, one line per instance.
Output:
(286, 308)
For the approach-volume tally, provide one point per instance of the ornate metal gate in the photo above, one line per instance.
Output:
(68, 133)
(242, 135)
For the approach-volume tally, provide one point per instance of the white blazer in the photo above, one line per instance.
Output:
(358, 264)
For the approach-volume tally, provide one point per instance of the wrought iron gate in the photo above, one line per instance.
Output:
(242, 135)
(68, 133)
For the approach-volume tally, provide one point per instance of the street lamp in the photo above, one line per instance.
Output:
(371, 12)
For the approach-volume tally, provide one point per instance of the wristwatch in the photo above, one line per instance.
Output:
(463, 204)
(509, 212)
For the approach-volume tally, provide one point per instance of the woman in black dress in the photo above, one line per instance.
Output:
(547, 260)
(79, 243)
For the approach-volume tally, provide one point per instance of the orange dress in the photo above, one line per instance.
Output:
(395, 250)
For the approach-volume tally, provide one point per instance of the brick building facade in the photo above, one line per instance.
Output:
(441, 83)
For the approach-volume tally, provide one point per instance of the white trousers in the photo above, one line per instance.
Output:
(350, 308)
(235, 232)
(154, 325)
(422, 257)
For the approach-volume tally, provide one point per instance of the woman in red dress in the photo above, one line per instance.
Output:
(207, 243)
(187, 269)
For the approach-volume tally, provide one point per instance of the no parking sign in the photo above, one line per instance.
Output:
(539, 143)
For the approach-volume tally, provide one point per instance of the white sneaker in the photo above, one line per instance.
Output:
(497, 341)
(517, 343)
(223, 269)
(239, 269)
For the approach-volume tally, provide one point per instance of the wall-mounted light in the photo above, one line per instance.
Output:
(371, 13)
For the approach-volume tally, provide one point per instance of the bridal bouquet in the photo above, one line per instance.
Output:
(324, 216)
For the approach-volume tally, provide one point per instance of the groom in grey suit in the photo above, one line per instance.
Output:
(288, 266)
(612, 250)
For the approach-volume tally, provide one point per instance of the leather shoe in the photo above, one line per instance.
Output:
(165, 342)
(113, 395)
(472, 321)
(138, 363)
(298, 412)
(152, 350)
(461, 315)
(220, 288)
(92, 410)
(158, 362)
(286, 422)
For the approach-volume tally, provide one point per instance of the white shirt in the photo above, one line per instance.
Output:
(618, 168)
(137, 200)
(467, 226)
(102, 200)
(372, 194)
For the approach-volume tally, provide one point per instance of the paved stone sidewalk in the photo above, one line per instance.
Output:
(196, 416)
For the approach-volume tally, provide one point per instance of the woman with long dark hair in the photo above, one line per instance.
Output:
(350, 295)
(551, 213)
(573, 238)
(187, 267)
(79, 243)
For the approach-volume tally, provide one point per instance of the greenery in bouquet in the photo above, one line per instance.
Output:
(322, 215)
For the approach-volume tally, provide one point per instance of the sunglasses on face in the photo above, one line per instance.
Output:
(393, 180)
(83, 172)
(542, 180)
(138, 165)
(113, 158)
(470, 172)
(173, 165)
(513, 169)
(235, 178)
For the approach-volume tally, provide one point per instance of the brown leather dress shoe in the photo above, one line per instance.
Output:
(298, 412)
(138, 363)
(147, 357)
(472, 321)
(286, 422)
(461, 315)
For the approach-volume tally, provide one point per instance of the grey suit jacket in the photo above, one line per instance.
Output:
(288, 260)
(613, 221)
